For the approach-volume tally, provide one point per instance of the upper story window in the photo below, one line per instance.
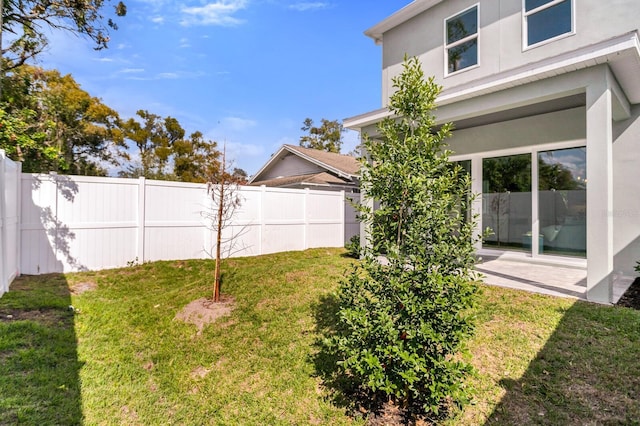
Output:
(461, 47)
(546, 20)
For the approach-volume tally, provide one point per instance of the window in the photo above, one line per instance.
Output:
(461, 47)
(547, 20)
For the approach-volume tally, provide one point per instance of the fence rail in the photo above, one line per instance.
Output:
(88, 223)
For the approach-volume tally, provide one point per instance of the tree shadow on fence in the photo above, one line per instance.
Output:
(586, 373)
(46, 226)
(39, 366)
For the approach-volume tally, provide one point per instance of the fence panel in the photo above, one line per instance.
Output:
(9, 221)
(174, 224)
(79, 223)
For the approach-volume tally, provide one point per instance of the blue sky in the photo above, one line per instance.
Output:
(247, 72)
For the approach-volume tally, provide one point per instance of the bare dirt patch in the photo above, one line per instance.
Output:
(631, 298)
(203, 311)
(199, 372)
(45, 316)
(83, 287)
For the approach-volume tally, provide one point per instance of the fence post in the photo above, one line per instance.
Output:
(261, 221)
(142, 193)
(343, 216)
(3, 227)
(305, 211)
(19, 221)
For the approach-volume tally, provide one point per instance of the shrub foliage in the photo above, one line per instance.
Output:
(403, 320)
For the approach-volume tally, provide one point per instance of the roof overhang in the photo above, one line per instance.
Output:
(409, 11)
(621, 53)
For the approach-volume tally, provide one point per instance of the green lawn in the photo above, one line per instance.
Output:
(121, 358)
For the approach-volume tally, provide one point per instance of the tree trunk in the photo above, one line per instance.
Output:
(216, 285)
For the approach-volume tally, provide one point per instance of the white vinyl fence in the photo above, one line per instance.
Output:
(88, 223)
(9, 220)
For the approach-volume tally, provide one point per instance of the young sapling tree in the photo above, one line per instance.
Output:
(224, 191)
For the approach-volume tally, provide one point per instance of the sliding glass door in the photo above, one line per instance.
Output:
(508, 202)
(562, 205)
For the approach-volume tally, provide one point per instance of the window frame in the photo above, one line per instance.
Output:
(525, 25)
(475, 36)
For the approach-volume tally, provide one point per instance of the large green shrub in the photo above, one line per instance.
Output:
(404, 319)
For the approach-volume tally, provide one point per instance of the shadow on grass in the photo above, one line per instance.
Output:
(342, 391)
(587, 373)
(39, 367)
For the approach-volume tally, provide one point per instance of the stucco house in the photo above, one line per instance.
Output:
(299, 168)
(545, 99)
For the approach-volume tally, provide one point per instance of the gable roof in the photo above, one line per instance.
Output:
(343, 166)
(330, 160)
(315, 179)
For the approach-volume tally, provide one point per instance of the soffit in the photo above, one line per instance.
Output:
(554, 105)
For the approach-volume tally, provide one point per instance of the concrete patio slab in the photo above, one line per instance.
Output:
(554, 278)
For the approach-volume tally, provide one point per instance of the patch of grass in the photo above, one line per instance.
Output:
(39, 367)
(123, 359)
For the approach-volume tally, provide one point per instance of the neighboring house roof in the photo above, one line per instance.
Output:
(340, 169)
(301, 180)
(345, 164)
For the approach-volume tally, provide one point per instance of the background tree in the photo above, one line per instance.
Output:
(239, 176)
(154, 138)
(26, 21)
(22, 142)
(196, 159)
(76, 133)
(327, 137)
(165, 153)
(403, 323)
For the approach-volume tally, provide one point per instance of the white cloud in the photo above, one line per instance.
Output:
(168, 75)
(184, 43)
(131, 70)
(104, 59)
(131, 75)
(237, 123)
(235, 149)
(306, 6)
(216, 13)
(157, 19)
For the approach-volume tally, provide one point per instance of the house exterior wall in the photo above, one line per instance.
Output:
(500, 37)
(579, 89)
(291, 165)
(626, 193)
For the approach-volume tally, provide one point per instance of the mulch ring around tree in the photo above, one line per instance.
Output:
(204, 311)
(631, 297)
